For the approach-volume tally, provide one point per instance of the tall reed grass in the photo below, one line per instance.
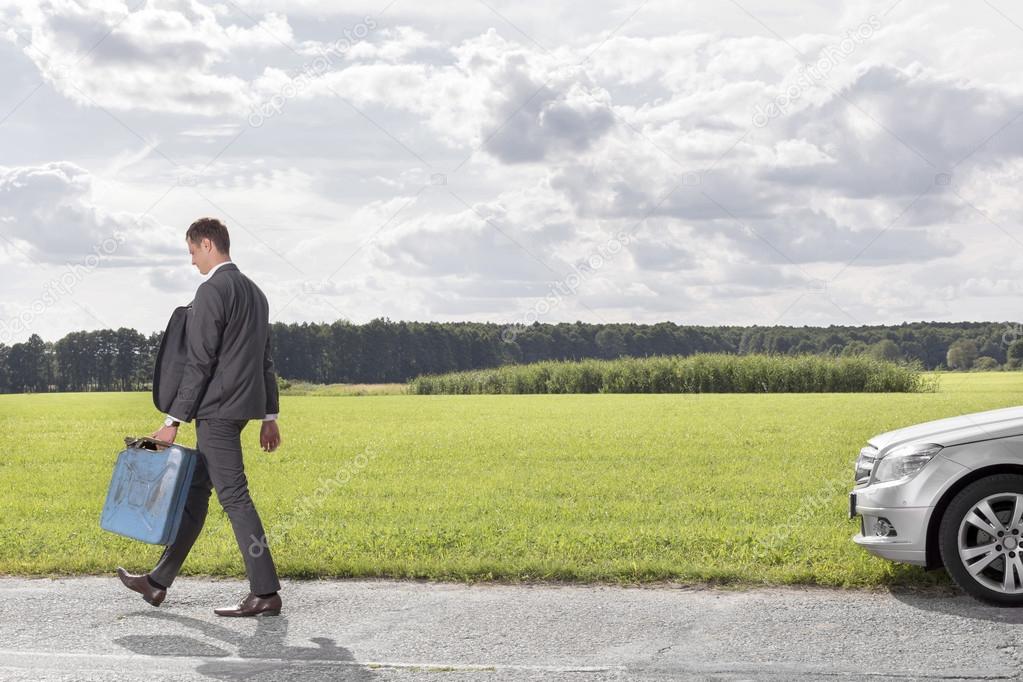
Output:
(702, 373)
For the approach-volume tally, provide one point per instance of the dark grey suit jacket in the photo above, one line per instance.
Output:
(220, 361)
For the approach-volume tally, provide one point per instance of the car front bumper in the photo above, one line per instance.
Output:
(894, 516)
(908, 545)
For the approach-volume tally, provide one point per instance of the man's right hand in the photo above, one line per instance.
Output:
(269, 435)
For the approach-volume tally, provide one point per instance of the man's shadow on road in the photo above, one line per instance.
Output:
(265, 652)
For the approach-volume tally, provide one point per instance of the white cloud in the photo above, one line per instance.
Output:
(173, 55)
(49, 212)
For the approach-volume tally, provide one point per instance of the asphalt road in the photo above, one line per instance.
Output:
(92, 628)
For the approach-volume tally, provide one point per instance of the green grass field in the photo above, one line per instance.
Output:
(336, 390)
(726, 488)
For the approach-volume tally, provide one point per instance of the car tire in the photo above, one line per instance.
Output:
(977, 550)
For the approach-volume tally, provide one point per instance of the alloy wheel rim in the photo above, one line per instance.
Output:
(989, 542)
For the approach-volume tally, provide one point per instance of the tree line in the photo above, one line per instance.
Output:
(387, 351)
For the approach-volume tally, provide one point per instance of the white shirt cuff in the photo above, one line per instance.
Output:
(176, 419)
(270, 417)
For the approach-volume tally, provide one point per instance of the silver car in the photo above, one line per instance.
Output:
(948, 493)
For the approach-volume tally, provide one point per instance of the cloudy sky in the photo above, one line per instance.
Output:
(707, 163)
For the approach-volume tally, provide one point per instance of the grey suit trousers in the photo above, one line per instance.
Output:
(220, 466)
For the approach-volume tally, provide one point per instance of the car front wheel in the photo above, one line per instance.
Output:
(980, 536)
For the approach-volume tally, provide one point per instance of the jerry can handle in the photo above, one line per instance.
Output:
(145, 442)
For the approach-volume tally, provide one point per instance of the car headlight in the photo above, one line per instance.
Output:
(865, 463)
(904, 461)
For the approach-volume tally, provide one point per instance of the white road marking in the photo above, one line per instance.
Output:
(66, 660)
(16, 659)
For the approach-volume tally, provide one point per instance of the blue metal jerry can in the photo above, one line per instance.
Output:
(148, 490)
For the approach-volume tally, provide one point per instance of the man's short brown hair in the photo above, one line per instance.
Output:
(212, 229)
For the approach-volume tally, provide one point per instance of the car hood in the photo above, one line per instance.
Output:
(966, 428)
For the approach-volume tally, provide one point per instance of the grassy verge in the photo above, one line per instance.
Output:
(720, 488)
(703, 373)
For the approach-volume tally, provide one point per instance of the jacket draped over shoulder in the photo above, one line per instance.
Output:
(215, 356)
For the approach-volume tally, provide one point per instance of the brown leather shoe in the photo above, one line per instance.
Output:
(140, 583)
(253, 606)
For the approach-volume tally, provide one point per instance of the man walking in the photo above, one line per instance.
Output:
(227, 380)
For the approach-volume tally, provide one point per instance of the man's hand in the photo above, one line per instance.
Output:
(167, 433)
(269, 435)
